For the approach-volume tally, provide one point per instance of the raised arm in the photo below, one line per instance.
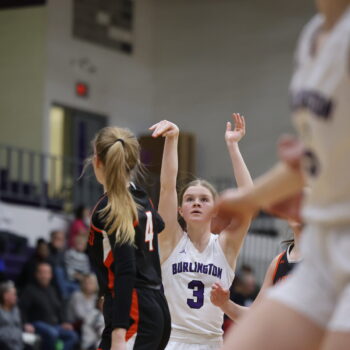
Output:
(232, 137)
(231, 243)
(280, 184)
(168, 203)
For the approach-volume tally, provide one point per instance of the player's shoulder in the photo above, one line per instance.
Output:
(279, 257)
(96, 212)
(139, 194)
(307, 35)
(275, 263)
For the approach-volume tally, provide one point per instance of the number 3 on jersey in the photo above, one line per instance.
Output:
(149, 231)
(198, 293)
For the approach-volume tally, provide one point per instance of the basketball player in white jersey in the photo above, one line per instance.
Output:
(195, 259)
(311, 310)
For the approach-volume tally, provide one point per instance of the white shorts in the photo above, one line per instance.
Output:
(174, 345)
(319, 288)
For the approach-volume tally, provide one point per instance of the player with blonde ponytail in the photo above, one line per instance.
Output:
(123, 244)
(118, 150)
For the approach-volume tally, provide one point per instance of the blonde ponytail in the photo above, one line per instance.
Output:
(118, 149)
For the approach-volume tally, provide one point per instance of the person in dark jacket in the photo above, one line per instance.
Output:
(41, 254)
(41, 307)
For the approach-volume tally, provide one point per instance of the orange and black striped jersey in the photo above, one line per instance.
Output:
(121, 268)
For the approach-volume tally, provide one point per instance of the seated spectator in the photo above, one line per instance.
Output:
(11, 331)
(10, 320)
(80, 225)
(76, 260)
(57, 247)
(92, 329)
(244, 288)
(41, 308)
(82, 312)
(41, 254)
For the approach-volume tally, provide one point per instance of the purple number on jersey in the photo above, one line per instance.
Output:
(198, 292)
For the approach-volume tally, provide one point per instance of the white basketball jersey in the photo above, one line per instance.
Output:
(320, 91)
(187, 278)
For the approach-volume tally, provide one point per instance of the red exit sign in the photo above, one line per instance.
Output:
(82, 89)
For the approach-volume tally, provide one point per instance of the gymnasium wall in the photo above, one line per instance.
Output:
(218, 57)
(22, 70)
(194, 62)
(121, 86)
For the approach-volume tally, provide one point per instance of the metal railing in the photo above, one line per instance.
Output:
(44, 180)
(258, 251)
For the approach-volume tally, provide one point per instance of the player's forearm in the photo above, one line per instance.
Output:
(167, 207)
(124, 282)
(279, 183)
(233, 310)
(240, 170)
(169, 168)
(118, 336)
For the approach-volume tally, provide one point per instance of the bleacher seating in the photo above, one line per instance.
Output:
(14, 252)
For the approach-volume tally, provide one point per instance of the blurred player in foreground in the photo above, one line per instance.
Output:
(311, 309)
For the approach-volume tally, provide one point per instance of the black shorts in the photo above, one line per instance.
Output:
(150, 323)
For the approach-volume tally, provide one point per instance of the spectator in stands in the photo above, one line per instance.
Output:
(10, 320)
(11, 331)
(41, 307)
(83, 313)
(244, 288)
(57, 247)
(80, 225)
(41, 254)
(76, 260)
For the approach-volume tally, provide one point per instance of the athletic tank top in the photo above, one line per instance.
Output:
(284, 265)
(187, 278)
(147, 228)
(320, 92)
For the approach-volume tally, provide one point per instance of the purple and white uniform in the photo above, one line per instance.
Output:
(320, 91)
(187, 278)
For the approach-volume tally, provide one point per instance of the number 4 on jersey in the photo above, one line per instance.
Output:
(149, 231)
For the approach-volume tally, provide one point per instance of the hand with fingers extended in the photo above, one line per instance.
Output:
(235, 135)
(218, 295)
(165, 128)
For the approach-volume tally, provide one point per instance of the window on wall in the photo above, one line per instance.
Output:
(105, 22)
